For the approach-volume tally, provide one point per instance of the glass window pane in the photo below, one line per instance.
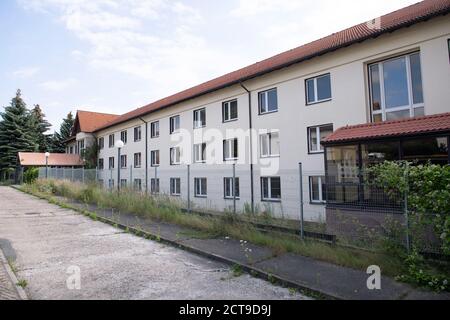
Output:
(265, 188)
(312, 139)
(315, 189)
(397, 115)
(275, 188)
(395, 83)
(324, 87)
(422, 150)
(226, 116)
(262, 102)
(377, 118)
(375, 86)
(418, 112)
(272, 99)
(416, 77)
(264, 145)
(274, 143)
(325, 132)
(310, 90)
(233, 110)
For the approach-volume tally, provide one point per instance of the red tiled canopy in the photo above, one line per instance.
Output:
(55, 159)
(404, 17)
(439, 123)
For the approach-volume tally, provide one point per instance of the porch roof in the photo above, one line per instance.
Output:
(439, 123)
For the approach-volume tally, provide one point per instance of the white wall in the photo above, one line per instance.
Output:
(349, 105)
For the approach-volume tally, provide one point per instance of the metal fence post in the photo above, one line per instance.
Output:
(234, 188)
(300, 167)
(189, 187)
(408, 240)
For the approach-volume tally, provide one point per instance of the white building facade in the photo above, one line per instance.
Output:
(278, 119)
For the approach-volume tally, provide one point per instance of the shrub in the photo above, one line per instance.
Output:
(30, 175)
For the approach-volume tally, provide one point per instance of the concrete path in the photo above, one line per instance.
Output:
(54, 247)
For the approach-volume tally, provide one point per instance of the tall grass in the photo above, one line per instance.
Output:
(166, 210)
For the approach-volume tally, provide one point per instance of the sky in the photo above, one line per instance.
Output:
(114, 56)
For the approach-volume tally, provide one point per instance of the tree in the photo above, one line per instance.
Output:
(16, 132)
(40, 126)
(65, 132)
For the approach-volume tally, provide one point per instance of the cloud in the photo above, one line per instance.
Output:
(58, 85)
(256, 7)
(26, 72)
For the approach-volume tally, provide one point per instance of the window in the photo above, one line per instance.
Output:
(111, 140)
(154, 158)
(200, 187)
(175, 186)
(71, 150)
(317, 189)
(101, 164)
(111, 162)
(123, 183)
(123, 161)
(396, 88)
(137, 134)
(230, 149)
(101, 183)
(124, 137)
(318, 89)
(80, 147)
(111, 183)
(228, 188)
(200, 153)
(137, 160)
(174, 124)
(270, 144)
(268, 101)
(199, 118)
(154, 129)
(315, 137)
(229, 111)
(101, 143)
(175, 156)
(271, 188)
(154, 185)
(138, 184)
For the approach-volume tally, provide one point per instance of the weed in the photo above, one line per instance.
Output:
(237, 270)
(22, 283)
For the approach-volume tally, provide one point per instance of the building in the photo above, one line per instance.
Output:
(270, 116)
(85, 124)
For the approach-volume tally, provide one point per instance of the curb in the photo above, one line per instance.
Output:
(20, 291)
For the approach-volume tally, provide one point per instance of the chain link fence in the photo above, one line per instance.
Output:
(356, 215)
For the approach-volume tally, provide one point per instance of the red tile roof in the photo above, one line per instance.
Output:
(439, 123)
(90, 121)
(405, 17)
(55, 159)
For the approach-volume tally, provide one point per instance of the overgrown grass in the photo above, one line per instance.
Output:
(165, 210)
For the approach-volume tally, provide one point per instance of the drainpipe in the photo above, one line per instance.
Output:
(250, 125)
(146, 154)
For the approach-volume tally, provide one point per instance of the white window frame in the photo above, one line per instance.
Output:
(228, 145)
(111, 140)
(137, 130)
(202, 193)
(411, 106)
(175, 186)
(137, 184)
(228, 190)
(319, 145)
(101, 143)
(268, 144)
(153, 158)
(266, 99)
(137, 160)
(320, 191)
(102, 162)
(316, 92)
(198, 123)
(200, 152)
(154, 186)
(123, 183)
(227, 106)
(269, 188)
(154, 129)
(172, 122)
(124, 136)
(123, 164)
(173, 153)
(113, 163)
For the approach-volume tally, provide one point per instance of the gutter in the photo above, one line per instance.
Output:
(146, 154)
(250, 125)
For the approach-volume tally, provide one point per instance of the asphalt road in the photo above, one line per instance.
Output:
(64, 255)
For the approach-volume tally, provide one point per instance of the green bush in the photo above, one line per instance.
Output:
(30, 175)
